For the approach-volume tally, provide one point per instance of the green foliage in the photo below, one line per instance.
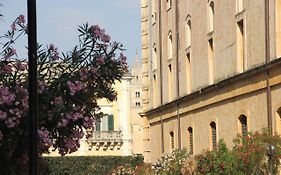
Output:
(248, 156)
(100, 165)
(220, 161)
(251, 152)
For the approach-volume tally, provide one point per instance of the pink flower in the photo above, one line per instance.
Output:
(57, 101)
(6, 69)
(62, 123)
(45, 140)
(20, 66)
(75, 86)
(6, 97)
(105, 38)
(3, 115)
(88, 122)
(13, 26)
(100, 60)
(21, 19)
(83, 74)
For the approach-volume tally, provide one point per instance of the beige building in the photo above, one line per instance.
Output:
(211, 69)
(136, 107)
(120, 131)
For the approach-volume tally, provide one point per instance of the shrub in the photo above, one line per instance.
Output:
(170, 164)
(100, 165)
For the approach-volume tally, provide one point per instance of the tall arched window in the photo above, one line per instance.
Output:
(154, 57)
(211, 12)
(278, 121)
(188, 32)
(243, 125)
(190, 139)
(213, 135)
(172, 141)
(170, 45)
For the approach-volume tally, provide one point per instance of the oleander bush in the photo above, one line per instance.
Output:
(249, 156)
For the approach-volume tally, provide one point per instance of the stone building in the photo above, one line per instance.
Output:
(136, 107)
(211, 69)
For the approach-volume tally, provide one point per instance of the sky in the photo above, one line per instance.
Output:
(57, 21)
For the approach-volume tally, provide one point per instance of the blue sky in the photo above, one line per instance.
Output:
(57, 21)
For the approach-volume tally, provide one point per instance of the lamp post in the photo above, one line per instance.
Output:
(270, 151)
(32, 86)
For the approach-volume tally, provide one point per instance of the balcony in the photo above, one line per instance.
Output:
(105, 140)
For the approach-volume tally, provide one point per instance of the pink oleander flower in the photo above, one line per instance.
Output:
(57, 101)
(62, 123)
(13, 27)
(21, 19)
(94, 71)
(75, 86)
(123, 58)
(74, 116)
(100, 60)
(45, 140)
(3, 115)
(83, 74)
(88, 122)
(6, 97)
(20, 66)
(54, 54)
(105, 38)
(42, 86)
(6, 69)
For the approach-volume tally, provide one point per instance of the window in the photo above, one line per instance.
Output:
(170, 81)
(211, 60)
(154, 58)
(172, 141)
(213, 135)
(188, 73)
(239, 6)
(98, 123)
(240, 46)
(190, 139)
(137, 103)
(243, 125)
(170, 46)
(137, 94)
(188, 32)
(278, 121)
(154, 90)
(169, 4)
(110, 122)
(211, 12)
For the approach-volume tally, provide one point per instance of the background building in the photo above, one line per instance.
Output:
(119, 132)
(136, 107)
(211, 69)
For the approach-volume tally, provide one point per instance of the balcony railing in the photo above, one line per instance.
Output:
(106, 136)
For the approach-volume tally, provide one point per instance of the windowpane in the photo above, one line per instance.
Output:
(214, 135)
(110, 123)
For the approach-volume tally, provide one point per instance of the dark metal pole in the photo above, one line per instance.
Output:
(177, 73)
(161, 76)
(32, 86)
(267, 59)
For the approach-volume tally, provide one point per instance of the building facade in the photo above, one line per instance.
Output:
(211, 70)
(136, 107)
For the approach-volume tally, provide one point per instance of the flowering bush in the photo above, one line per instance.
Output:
(171, 164)
(252, 154)
(68, 88)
